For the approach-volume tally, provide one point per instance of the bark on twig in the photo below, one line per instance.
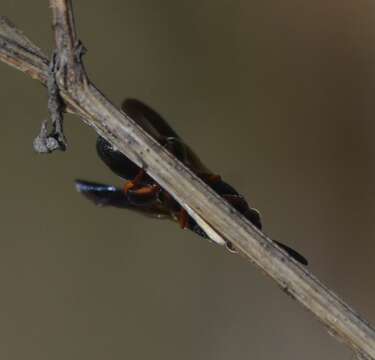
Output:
(47, 142)
(82, 98)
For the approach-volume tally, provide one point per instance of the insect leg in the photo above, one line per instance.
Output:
(132, 184)
(183, 218)
(141, 192)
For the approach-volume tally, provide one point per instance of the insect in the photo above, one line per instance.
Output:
(142, 194)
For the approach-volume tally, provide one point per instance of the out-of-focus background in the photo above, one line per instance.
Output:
(277, 97)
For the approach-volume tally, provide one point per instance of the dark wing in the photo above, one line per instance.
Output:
(151, 122)
(148, 119)
(108, 195)
(293, 253)
(155, 125)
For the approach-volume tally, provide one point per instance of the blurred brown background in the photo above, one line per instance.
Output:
(277, 97)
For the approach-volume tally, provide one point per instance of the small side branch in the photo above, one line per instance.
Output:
(55, 140)
(84, 99)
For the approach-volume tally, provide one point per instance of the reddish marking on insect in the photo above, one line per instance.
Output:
(183, 217)
(130, 184)
(142, 194)
(213, 178)
(146, 190)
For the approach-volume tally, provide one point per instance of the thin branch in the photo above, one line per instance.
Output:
(83, 99)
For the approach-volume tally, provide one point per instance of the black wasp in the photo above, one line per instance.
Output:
(142, 194)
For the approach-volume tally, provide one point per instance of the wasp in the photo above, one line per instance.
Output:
(142, 194)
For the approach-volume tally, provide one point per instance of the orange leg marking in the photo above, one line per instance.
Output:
(214, 178)
(183, 218)
(145, 190)
(131, 184)
(210, 178)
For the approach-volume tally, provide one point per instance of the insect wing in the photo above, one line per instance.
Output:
(149, 120)
(293, 253)
(155, 125)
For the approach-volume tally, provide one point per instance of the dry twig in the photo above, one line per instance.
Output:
(82, 98)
